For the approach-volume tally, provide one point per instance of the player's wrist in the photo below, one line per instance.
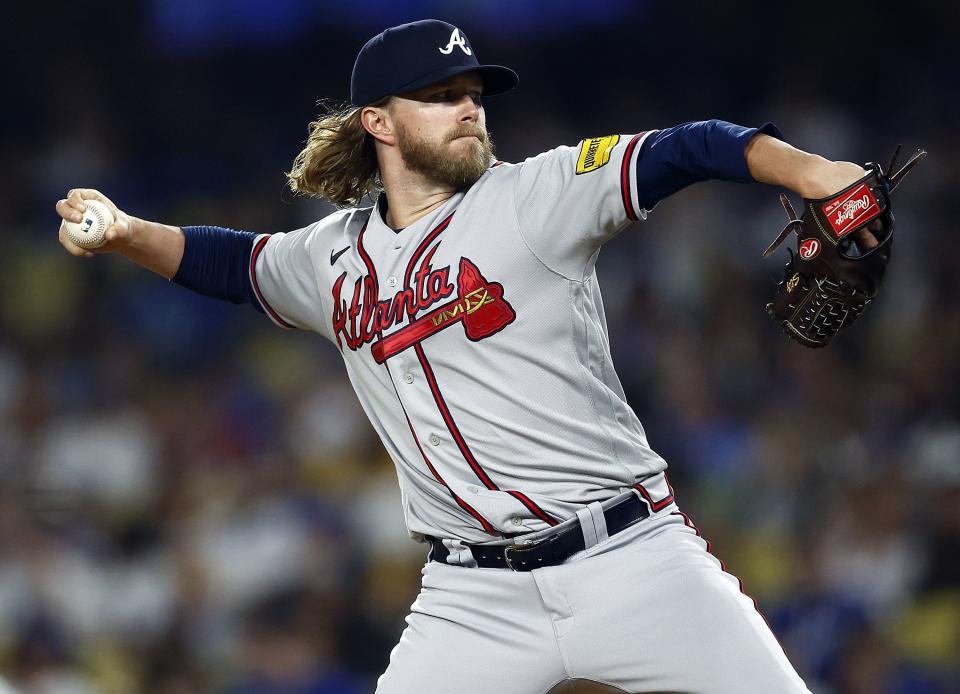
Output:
(155, 246)
(821, 177)
(135, 231)
(136, 235)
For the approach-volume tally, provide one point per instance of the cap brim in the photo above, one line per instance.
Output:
(497, 79)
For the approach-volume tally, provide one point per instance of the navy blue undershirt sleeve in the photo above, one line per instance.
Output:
(215, 263)
(672, 159)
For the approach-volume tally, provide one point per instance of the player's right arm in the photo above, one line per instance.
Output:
(272, 272)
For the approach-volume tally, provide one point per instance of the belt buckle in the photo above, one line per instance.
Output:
(506, 555)
(526, 546)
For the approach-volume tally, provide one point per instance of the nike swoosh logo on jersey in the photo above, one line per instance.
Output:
(334, 256)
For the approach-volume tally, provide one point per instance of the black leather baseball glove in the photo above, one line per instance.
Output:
(837, 268)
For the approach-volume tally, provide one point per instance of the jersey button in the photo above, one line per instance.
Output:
(517, 521)
(473, 489)
(392, 281)
(408, 378)
(434, 440)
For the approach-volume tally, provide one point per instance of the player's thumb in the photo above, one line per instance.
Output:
(120, 232)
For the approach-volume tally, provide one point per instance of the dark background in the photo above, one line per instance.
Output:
(191, 499)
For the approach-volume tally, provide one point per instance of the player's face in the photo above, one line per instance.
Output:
(442, 131)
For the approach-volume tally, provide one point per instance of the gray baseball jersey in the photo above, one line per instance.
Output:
(476, 341)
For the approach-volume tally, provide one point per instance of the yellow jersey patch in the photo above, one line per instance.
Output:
(595, 152)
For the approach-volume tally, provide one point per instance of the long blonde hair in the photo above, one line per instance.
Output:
(339, 161)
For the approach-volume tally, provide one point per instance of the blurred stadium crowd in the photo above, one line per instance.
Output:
(192, 501)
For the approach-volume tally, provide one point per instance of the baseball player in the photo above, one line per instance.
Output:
(466, 308)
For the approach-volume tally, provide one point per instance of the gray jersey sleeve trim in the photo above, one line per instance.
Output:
(258, 245)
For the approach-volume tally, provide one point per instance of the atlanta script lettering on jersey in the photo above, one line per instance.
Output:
(366, 317)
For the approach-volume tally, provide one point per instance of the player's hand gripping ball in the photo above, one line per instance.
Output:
(90, 231)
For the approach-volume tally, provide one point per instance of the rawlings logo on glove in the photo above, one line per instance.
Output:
(834, 274)
(853, 210)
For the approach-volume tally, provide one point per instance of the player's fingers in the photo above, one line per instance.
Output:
(72, 248)
(76, 197)
(867, 239)
(67, 212)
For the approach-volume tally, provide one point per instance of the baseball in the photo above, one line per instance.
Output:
(89, 232)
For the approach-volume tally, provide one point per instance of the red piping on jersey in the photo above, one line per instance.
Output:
(625, 177)
(438, 397)
(465, 449)
(460, 502)
(723, 567)
(487, 526)
(370, 305)
(656, 505)
(423, 246)
(371, 270)
(256, 287)
(451, 425)
(532, 507)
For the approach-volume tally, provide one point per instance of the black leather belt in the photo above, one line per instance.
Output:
(553, 549)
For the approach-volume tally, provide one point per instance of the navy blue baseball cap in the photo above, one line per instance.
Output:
(410, 56)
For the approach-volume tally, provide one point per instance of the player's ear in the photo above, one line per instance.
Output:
(377, 121)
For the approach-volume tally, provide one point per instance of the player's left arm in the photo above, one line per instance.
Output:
(674, 158)
(774, 161)
(677, 157)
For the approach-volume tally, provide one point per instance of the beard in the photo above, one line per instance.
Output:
(434, 160)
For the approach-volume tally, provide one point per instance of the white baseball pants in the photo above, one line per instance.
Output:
(648, 610)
